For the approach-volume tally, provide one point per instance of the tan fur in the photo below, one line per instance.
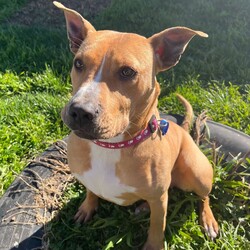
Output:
(189, 115)
(115, 108)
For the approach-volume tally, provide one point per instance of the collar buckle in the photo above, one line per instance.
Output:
(153, 124)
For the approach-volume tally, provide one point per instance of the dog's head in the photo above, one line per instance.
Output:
(113, 76)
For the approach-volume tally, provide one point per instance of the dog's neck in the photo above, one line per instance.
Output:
(142, 117)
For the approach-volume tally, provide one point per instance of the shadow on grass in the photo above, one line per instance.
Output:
(30, 49)
(113, 226)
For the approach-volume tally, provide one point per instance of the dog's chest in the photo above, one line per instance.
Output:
(101, 178)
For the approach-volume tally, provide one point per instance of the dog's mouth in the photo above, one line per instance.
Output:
(93, 136)
(82, 134)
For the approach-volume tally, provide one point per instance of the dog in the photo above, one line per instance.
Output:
(119, 148)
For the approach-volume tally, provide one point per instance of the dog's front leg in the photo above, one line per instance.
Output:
(158, 211)
(88, 207)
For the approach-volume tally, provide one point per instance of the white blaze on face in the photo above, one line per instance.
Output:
(90, 89)
(98, 76)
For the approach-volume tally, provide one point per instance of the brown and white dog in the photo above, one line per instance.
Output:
(114, 103)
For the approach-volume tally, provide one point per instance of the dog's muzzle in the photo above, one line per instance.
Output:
(82, 119)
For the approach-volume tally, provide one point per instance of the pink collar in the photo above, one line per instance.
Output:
(144, 134)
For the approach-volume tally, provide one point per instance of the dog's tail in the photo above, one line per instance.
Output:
(189, 116)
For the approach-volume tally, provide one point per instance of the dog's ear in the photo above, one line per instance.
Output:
(170, 44)
(77, 27)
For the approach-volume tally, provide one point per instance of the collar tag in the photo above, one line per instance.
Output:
(164, 125)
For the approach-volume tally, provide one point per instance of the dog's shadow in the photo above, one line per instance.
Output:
(115, 226)
(112, 227)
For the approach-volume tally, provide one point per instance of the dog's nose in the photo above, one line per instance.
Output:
(78, 114)
(81, 115)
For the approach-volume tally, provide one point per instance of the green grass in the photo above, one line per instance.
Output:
(9, 7)
(224, 103)
(22, 52)
(213, 74)
(29, 121)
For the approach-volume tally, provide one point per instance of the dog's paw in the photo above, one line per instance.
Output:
(149, 246)
(85, 212)
(210, 224)
(212, 229)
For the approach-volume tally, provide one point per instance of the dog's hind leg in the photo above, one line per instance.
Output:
(202, 186)
(194, 173)
(207, 219)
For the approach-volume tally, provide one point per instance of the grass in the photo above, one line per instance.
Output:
(224, 103)
(29, 121)
(9, 7)
(20, 52)
(213, 74)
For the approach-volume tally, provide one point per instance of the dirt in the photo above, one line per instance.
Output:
(44, 13)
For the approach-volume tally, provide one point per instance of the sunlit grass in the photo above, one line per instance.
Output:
(29, 120)
(225, 103)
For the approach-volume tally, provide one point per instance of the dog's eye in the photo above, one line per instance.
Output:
(78, 64)
(127, 73)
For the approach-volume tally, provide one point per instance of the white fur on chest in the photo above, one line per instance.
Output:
(101, 179)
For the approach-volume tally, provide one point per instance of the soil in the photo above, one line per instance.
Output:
(44, 13)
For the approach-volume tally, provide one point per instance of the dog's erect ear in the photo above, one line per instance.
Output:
(77, 27)
(170, 44)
